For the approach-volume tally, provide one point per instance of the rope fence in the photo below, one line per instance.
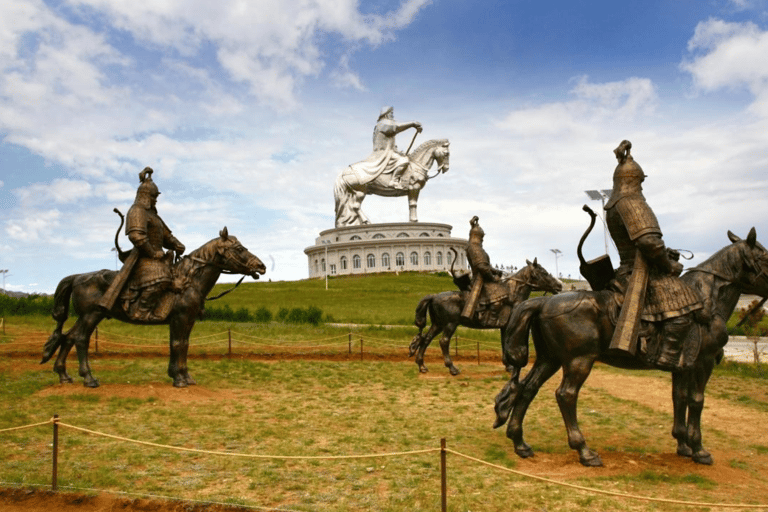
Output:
(229, 341)
(56, 423)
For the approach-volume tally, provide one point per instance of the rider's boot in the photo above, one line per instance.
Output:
(673, 335)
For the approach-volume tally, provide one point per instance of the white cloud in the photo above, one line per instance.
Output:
(592, 104)
(271, 44)
(730, 55)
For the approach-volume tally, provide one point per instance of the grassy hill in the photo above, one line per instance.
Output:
(368, 299)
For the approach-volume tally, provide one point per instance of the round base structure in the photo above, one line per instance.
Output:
(395, 247)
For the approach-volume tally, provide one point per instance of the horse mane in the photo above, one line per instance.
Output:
(205, 252)
(425, 146)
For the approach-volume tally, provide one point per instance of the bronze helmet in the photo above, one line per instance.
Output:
(476, 233)
(147, 191)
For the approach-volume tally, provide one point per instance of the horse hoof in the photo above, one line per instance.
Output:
(702, 457)
(179, 383)
(65, 379)
(454, 371)
(423, 369)
(524, 451)
(91, 383)
(591, 461)
(684, 451)
(189, 380)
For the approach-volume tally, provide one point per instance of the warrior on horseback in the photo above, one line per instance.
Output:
(648, 274)
(147, 270)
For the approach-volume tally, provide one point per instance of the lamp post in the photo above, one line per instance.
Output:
(4, 272)
(325, 264)
(557, 252)
(601, 195)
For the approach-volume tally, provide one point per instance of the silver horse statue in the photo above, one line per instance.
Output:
(354, 183)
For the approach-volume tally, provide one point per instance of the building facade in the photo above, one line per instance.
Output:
(394, 247)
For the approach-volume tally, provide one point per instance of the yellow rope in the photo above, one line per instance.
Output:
(249, 455)
(601, 491)
(24, 427)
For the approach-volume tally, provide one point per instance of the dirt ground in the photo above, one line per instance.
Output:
(738, 422)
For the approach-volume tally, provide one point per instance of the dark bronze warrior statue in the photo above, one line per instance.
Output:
(644, 315)
(146, 274)
(150, 289)
(484, 302)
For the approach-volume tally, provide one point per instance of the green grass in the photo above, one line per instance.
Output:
(311, 408)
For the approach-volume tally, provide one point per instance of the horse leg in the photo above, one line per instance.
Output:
(179, 345)
(680, 386)
(540, 373)
(575, 373)
(80, 337)
(60, 365)
(445, 346)
(413, 198)
(697, 383)
(423, 344)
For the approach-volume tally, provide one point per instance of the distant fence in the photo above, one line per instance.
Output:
(234, 343)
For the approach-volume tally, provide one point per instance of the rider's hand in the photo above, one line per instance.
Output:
(418, 127)
(180, 248)
(677, 267)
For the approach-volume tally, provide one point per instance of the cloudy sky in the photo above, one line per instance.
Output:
(248, 109)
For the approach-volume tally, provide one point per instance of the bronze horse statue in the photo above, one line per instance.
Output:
(445, 310)
(198, 271)
(352, 185)
(573, 331)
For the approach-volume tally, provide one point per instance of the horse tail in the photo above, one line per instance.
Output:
(341, 199)
(515, 354)
(60, 314)
(515, 343)
(420, 321)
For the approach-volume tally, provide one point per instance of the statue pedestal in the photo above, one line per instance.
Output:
(393, 247)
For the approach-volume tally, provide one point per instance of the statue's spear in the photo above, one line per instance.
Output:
(412, 141)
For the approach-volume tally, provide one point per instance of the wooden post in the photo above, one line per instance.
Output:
(55, 476)
(229, 342)
(478, 353)
(350, 343)
(443, 478)
(361, 348)
(456, 346)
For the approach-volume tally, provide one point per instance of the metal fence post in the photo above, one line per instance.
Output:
(55, 475)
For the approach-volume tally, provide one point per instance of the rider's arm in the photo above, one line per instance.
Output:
(655, 252)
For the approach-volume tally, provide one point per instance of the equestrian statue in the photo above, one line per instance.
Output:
(485, 299)
(643, 315)
(387, 171)
(152, 288)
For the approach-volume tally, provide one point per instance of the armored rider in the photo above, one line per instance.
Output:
(146, 273)
(384, 141)
(648, 274)
(480, 263)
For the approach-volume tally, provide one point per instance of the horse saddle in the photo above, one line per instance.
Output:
(493, 308)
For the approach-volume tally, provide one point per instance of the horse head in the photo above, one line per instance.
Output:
(754, 262)
(233, 258)
(538, 277)
(437, 150)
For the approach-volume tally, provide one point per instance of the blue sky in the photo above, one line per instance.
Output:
(247, 111)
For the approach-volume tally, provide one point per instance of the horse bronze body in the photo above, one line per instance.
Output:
(445, 311)
(351, 186)
(198, 272)
(573, 331)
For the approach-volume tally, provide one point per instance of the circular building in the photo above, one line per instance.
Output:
(395, 247)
